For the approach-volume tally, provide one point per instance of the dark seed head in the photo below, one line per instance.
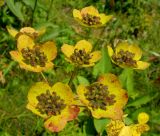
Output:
(50, 104)
(34, 56)
(98, 96)
(80, 57)
(125, 57)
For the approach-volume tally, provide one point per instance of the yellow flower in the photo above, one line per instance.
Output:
(127, 56)
(33, 57)
(105, 98)
(90, 17)
(118, 128)
(28, 31)
(80, 54)
(55, 104)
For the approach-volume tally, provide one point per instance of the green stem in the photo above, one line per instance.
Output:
(44, 77)
(6, 71)
(72, 75)
(98, 41)
(50, 7)
(35, 5)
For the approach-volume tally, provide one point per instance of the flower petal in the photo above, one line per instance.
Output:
(110, 80)
(56, 123)
(16, 56)
(81, 90)
(89, 65)
(13, 32)
(68, 50)
(95, 56)
(90, 10)
(126, 131)
(28, 30)
(31, 68)
(64, 91)
(73, 110)
(36, 90)
(131, 48)
(104, 18)
(111, 112)
(24, 41)
(142, 65)
(50, 50)
(110, 51)
(83, 44)
(48, 65)
(77, 14)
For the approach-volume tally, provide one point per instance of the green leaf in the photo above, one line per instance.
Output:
(127, 81)
(104, 65)
(30, 3)
(15, 7)
(142, 100)
(82, 80)
(100, 124)
(88, 128)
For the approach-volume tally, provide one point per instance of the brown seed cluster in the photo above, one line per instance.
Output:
(34, 56)
(90, 19)
(50, 104)
(80, 57)
(99, 97)
(124, 57)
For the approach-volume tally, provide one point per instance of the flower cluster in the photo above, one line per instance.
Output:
(104, 98)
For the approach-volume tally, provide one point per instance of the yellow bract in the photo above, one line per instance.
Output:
(127, 56)
(90, 17)
(29, 31)
(117, 98)
(118, 128)
(39, 93)
(80, 54)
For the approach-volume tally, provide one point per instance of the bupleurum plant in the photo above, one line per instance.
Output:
(103, 97)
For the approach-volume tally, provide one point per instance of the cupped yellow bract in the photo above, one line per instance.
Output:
(28, 31)
(118, 127)
(55, 104)
(105, 98)
(32, 57)
(90, 17)
(80, 55)
(127, 56)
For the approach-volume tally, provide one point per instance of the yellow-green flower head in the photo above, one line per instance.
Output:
(80, 55)
(104, 98)
(32, 57)
(118, 128)
(55, 104)
(114, 127)
(90, 17)
(127, 56)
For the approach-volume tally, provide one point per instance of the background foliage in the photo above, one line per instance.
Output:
(135, 20)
